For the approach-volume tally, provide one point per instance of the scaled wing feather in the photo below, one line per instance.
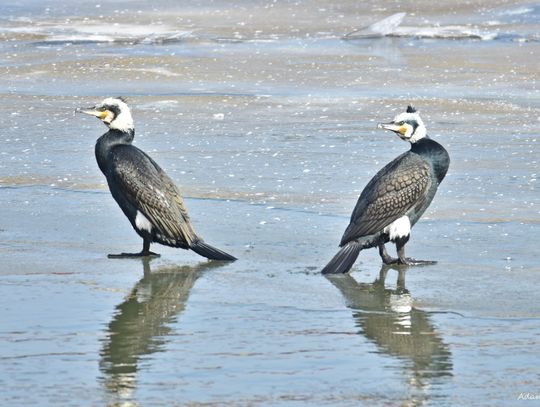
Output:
(398, 187)
(154, 194)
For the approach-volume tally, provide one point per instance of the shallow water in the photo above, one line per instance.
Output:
(266, 118)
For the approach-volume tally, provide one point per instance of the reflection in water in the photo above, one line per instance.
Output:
(142, 323)
(387, 317)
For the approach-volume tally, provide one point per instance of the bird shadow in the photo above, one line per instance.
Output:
(388, 318)
(142, 323)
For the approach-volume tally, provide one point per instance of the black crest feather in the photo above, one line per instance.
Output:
(411, 109)
(122, 98)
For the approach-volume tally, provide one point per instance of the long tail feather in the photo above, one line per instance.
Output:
(343, 260)
(210, 252)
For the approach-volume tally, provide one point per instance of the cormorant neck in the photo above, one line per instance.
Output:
(434, 153)
(419, 140)
(109, 140)
(114, 136)
(424, 145)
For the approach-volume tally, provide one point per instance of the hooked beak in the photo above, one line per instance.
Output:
(389, 126)
(88, 110)
(399, 129)
(106, 116)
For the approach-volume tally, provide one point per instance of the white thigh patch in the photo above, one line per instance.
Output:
(399, 228)
(142, 222)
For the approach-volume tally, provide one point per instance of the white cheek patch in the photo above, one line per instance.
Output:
(143, 223)
(107, 117)
(399, 228)
(409, 131)
(122, 122)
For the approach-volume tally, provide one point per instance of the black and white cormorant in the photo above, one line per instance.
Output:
(395, 198)
(147, 196)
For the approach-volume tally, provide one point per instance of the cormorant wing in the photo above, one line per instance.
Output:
(146, 186)
(392, 192)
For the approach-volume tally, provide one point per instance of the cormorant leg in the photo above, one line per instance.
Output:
(386, 258)
(146, 249)
(145, 252)
(400, 246)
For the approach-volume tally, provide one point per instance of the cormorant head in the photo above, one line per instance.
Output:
(408, 125)
(114, 112)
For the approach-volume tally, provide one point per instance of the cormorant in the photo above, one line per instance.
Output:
(147, 196)
(395, 198)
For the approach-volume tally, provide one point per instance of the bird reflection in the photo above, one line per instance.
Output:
(387, 318)
(142, 323)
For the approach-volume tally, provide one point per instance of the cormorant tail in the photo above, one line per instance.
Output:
(344, 259)
(210, 252)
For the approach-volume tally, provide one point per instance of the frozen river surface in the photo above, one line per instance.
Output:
(265, 117)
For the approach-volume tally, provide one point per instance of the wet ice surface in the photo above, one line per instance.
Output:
(267, 122)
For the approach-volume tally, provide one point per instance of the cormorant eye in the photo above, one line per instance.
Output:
(401, 123)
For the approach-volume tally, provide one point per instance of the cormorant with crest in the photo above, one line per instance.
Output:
(395, 198)
(147, 196)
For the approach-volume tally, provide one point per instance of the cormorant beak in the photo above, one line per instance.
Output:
(106, 116)
(396, 128)
(89, 110)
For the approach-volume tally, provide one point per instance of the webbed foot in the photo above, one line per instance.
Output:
(390, 260)
(133, 255)
(409, 261)
(414, 262)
